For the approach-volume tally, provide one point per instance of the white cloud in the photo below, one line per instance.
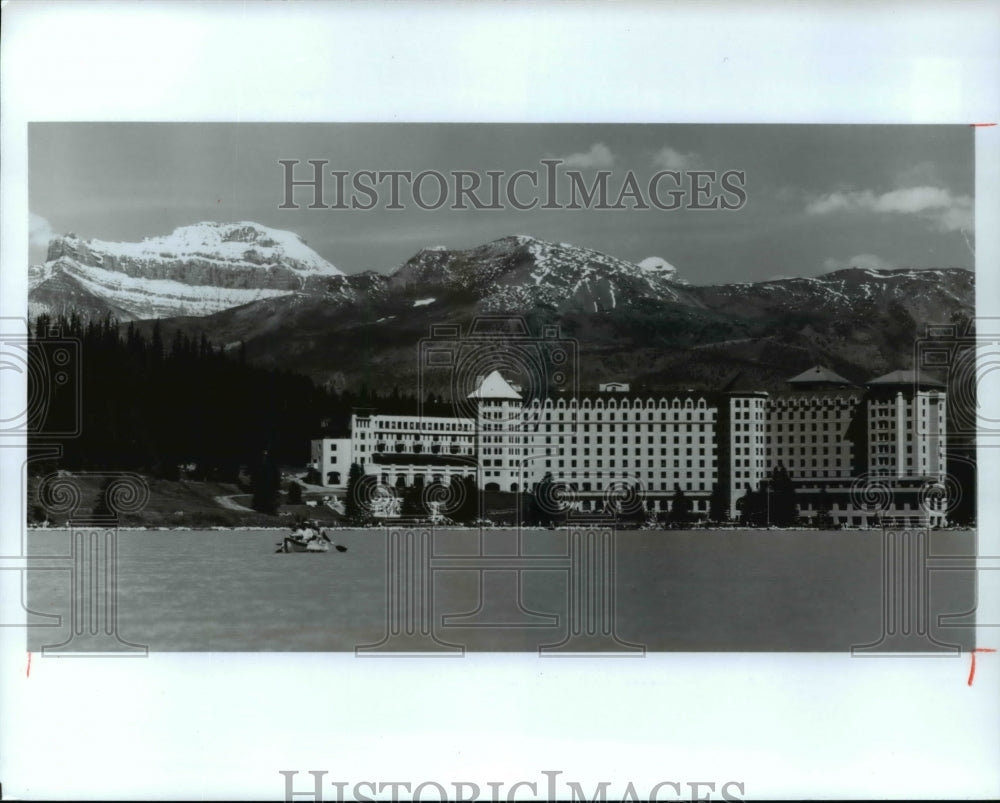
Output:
(40, 231)
(667, 158)
(935, 204)
(598, 156)
(869, 261)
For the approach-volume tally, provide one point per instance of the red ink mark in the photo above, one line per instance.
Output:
(982, 125)
(972, 670)
(27, 672)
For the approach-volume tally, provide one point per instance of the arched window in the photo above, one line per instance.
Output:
(492, 486)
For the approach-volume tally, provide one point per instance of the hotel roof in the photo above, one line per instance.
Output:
(818, 375)
(910, 378)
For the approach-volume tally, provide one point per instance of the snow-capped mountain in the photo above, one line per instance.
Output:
(209, 267)
(194, 270)
(517, 273)
(640, 320)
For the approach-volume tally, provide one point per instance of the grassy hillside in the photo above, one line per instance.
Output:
(182, 503)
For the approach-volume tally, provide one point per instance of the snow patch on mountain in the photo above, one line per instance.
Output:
(154, 298)
(518, 272)
(40, 273)
(660, 267)
(572, 269)
(195, 270)
(233, 244)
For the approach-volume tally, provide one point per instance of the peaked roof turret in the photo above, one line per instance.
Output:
(494, 386)
(818, 374)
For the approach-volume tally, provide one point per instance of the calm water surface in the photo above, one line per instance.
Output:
(707, 590)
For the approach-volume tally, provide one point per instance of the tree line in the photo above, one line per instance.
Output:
(130, 400)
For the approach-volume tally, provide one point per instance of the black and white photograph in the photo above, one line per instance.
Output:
(417, 450)
(555, 387)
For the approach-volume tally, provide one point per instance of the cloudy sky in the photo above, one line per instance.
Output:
(818, 197)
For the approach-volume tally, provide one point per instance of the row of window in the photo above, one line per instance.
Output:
(587, 487)
(528, 430)
(613, 404)
(823, 402)
(419, 424)
(625, 427)
(810, 415)
(625, 463)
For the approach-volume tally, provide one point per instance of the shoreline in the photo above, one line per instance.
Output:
(457, 528)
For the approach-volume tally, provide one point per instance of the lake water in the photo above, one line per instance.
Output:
(686, 591)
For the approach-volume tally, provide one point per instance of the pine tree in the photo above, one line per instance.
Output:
(749, 506)
(157, 344)
(265, 482)
(680, 507)
(718, 504)
(465, 507)
(539, 503)
(823, 519)
(784, 509)
(353, 508)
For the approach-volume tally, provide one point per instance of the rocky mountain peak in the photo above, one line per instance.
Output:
(194, 270)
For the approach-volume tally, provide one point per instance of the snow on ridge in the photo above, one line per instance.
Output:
(656, 264)
(570, 267)
(137, 294)
(209, 240)
(39, 273)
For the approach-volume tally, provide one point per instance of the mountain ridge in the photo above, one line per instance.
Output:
(637, 321)
(196, 269)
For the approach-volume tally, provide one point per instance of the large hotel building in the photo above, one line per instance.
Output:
(865, 453)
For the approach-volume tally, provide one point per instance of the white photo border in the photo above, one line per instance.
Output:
(225, 725)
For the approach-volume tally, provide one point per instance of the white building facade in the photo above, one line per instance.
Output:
(834, 438)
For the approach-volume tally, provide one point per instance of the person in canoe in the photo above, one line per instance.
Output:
(305, 533)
